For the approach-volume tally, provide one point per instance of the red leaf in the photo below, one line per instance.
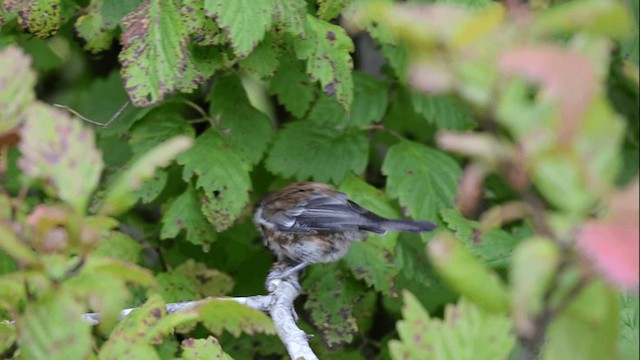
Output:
(613, 244)
(565, 76)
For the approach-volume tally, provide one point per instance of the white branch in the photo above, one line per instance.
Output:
(278, 304)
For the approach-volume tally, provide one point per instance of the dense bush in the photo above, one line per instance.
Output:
(135, 137)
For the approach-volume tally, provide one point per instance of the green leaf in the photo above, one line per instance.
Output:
(370, 99)
(588, 328)
(184, 213)
(290, 16)
(62, 152)
(154, 53)
(629, 324)
(372, 260)
(12, 246)
(120, 194)
(117, 268)
(331, 298)
(292, 87)
(534, 263)
(423, 179)
(134, 333)
(445, 111)
(200, 349)
(466, 274)
(264, 59)
(244, 21)
(16, 86)
(114, 11)
(175, 287)
(494, 247)
(466, 332)
(219, 315)
(326, 49)
(51, 328)
(209, 282)
(247, 129)
(202, 29)
(155, 128)
(597, 17)
(306, 150)
(119, 246)
(93, 30)
(7, 336)
(42, 18)
(223, 176)
(329, 9)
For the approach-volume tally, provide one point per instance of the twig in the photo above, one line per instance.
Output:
(105, 125)
(278, 304)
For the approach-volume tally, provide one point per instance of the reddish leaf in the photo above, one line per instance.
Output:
(613, 243)
(566, 77)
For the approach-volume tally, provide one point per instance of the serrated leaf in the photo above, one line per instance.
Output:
(132, 336)
(331, 298)
(629, 324)
(120, 194)
(326, 48)
(156, 128)
(184, 213)
(445, 111)
(210, 282)
(202, 29)
(93, 30)
(423, 179)
(290, 16)
(466, 332)
(223, 176)
(123, 270)
(175, 286)
(263, 60)
(247, 129)
(329, 9)
(372, 260)
(306, 150)
(154, 53)
(493, 247)
(292, 87)
(201, 349)
(219, 315)
(16, 86)
(42, 18)
(114, 11)
(62, 152)
(51, 328)
(244, 21)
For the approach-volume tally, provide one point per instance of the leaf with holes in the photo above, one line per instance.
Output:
(154, 54)
(223, 176)
(326, 49)
(244, 21)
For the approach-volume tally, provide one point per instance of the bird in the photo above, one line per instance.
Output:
(309, 222)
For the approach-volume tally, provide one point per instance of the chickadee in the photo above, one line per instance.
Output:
(307, 223)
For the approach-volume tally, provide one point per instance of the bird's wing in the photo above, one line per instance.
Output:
(326, 214)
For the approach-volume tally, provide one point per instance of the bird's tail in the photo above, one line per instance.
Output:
(401, 225)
